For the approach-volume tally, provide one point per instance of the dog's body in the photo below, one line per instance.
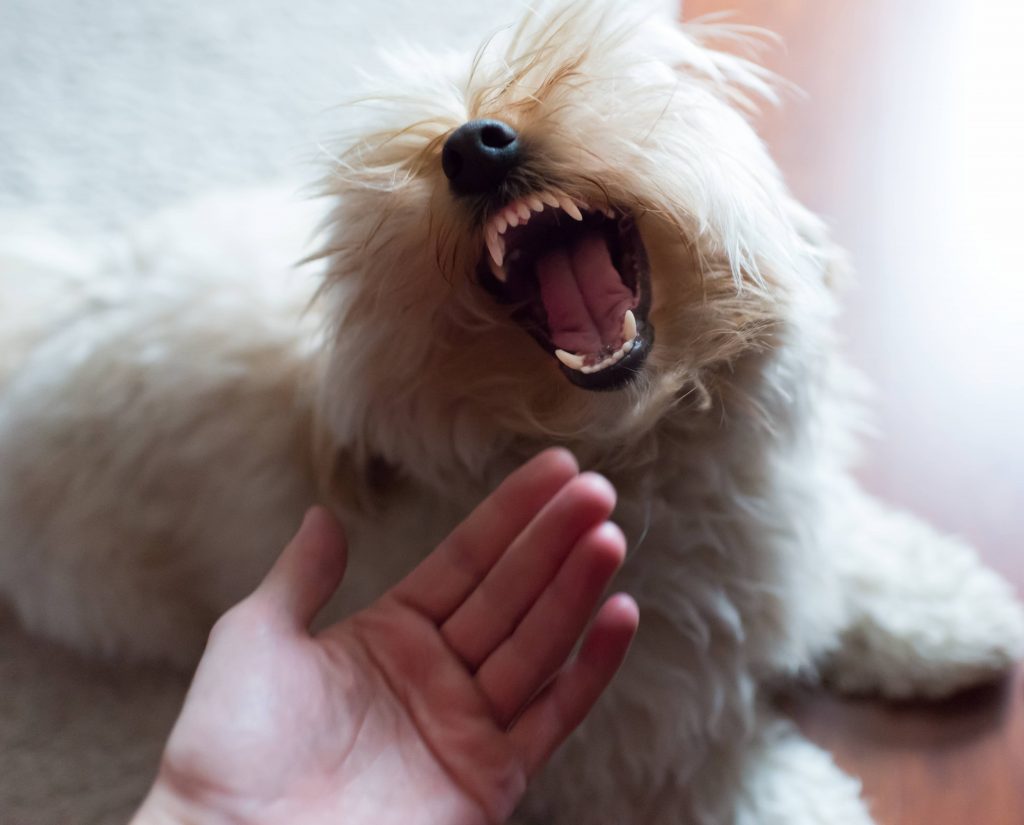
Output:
(167, 414)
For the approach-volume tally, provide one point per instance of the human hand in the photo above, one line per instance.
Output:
(435, 704)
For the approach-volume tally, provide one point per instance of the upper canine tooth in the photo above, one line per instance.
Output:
(523, 210)
(499, 271)
(496, 246)
(571, 360)
(535, 203)
(571, 209)
(549, 199)
(629, 326)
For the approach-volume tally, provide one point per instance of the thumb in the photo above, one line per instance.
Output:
(309, 570)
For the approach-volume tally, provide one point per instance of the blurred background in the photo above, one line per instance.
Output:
(908, 138)
(109, 110)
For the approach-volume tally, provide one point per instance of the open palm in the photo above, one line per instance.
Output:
(433, 705)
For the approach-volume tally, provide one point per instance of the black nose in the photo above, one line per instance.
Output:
(478, 155)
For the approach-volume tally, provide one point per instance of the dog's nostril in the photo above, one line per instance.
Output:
(478, 155)
(497, 135)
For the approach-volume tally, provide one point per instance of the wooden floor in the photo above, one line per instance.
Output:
(911, 142)
(958, 762)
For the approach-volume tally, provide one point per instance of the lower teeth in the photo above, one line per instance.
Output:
(621, 353)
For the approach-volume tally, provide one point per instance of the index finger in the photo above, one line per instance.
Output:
(443, 580)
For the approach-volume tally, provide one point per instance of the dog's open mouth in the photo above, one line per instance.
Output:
(579, 279)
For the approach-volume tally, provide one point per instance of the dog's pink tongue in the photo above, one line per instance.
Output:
(584, 296)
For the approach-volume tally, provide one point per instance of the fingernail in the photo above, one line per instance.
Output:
(601, 481)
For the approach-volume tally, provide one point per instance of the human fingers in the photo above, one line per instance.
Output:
(560, 708)
(545, 637)
(307, 572)
(491, 612)
(448, 575)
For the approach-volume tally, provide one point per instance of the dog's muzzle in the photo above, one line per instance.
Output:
(576, 274)
(578, 280)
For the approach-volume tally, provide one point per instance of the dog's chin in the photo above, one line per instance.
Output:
(577, 279)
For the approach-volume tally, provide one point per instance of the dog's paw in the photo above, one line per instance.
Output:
(791, 781)
(929, 618)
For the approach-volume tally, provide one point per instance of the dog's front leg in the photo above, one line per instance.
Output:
(787, 780)
(926, 617)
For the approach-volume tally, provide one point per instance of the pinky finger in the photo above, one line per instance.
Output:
(558, 709)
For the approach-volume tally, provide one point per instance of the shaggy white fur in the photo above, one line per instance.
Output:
(168, 410)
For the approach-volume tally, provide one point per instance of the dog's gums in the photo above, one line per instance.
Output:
(578, 279)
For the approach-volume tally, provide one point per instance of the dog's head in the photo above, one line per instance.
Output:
(563, 237)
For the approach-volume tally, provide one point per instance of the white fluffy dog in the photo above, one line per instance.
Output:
(574, 237)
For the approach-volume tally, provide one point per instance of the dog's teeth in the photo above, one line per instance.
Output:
(499, 271)
(571, 209)
(608, 212)
(500, 224)
(536, 204)
(576, 361)
(550, 200)
(629, 326)
(571, 360)
(523, 211)
(511, 218)
(496, 247)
